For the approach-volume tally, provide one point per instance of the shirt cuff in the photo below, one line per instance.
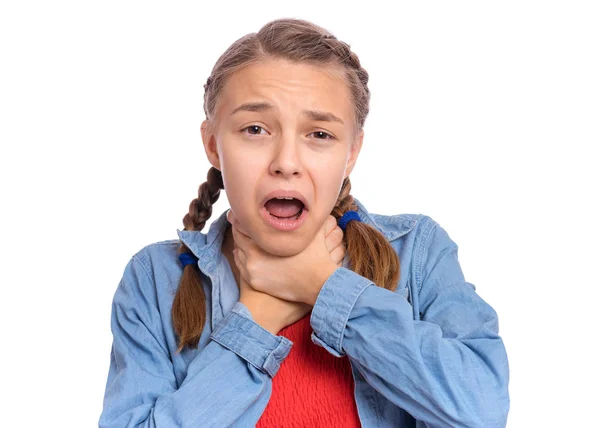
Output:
(333, 306)
(242, 335)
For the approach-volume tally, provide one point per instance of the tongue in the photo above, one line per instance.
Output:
(284, 207)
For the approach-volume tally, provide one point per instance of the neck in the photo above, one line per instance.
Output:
(227, 250)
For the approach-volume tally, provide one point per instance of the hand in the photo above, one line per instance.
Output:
(296, 278)
(271, 313)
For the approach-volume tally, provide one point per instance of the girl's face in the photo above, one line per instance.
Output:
(282, 126)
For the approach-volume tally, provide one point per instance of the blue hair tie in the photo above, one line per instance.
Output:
(348, 216)
(187, 258)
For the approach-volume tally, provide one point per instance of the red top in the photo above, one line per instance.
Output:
(312, 388)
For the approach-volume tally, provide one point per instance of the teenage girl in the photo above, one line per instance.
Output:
(299, 307)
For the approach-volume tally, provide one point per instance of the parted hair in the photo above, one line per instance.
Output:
(299, 41)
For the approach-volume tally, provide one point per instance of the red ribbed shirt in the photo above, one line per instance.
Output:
(312, 388)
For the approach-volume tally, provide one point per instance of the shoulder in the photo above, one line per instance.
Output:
(425, 238)
(425, 249)
(412, 226)
(158, 254)
(154, 269)
(426, 235)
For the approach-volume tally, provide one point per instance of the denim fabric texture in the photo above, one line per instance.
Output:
(426, 355)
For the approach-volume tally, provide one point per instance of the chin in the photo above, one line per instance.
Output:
(283, 245)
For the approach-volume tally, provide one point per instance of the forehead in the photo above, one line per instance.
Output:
(289, 86)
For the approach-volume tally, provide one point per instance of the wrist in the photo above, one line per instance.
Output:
(318, 280)
(255, 312)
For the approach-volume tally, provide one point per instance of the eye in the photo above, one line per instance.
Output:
(252, 128)
(322, 133)
(255, 130)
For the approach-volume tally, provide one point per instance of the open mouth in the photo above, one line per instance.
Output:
(285, 213)
(294, 217)
(285, 208)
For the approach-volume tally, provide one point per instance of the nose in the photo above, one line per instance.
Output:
(286, 162)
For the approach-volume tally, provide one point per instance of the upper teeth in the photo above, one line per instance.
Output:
(283, 197)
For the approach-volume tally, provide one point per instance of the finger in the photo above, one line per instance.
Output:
(330, 225)
(334, 239)
(337, 255)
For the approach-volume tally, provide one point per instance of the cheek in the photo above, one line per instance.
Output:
(240, 187)
(328, 181)
(239, 175)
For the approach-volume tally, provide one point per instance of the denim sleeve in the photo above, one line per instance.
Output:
(450, 367)
(228, 383)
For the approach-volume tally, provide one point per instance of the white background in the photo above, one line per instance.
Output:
(484, 116)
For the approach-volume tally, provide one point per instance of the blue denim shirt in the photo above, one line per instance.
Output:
(425, 355)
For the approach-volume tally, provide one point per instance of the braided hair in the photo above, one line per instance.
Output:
(368, 251)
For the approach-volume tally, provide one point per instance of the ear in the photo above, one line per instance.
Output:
(210, 144)
(354, 152)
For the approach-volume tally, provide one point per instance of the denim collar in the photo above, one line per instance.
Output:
(207, 247)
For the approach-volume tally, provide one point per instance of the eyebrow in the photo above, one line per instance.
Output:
(321, 116)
